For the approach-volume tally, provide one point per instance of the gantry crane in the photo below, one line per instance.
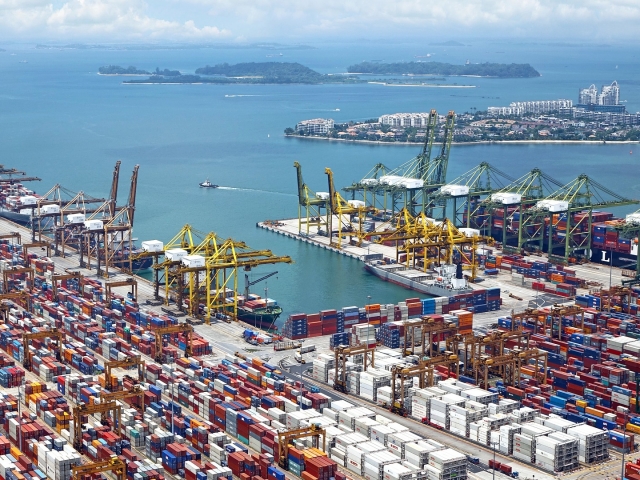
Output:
(27, 337)
(508, 366)
(558, 312)
(341, 355)
(344, 211)
(285, 438)
(128, 282)
(21, 295)
(538, 317)
(219, 273)
(114, 464)
(424, 239)
(135, 391)
(117, 230)
(312, 203)
(55, 278)
(82, 410)
(13, 235)
(180, 328)
(424, 371)
(127, 362)
(9, 273)
(504, 365)
(616, 295)
(423, 332)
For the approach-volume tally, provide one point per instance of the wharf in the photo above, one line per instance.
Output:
(226, 338)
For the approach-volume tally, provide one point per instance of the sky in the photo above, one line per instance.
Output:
(241, 21)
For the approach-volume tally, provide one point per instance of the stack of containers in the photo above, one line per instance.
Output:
(417, 453)
(421, 402)
(592, 443)
(371, 380)
(557, 452)
(374, 464)
(507, 433)
(396, 442)
(440, 409)
(446, 464)
(329, 319)
(389, 335)
(322, 364)
(351, 316)
(460, 417)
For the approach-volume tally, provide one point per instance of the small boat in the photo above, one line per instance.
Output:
(208, 184)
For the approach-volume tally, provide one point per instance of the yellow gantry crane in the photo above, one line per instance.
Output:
(127, 362)
(114, 464)
(216, 282)
(423, 332)
(55, 278)
(424, 371)
(9, 273)
(342, 353)
(82, 410)
(180, 328)
(284, 439)
(135, 391)
(425, 240)
(312, 203)
(27, 337)
(346, 212)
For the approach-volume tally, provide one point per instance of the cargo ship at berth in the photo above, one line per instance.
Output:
(445, 281)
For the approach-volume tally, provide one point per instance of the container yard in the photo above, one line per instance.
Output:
(502, 362)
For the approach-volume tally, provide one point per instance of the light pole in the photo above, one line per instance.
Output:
(493, 444)
(610, 270)
(624, 430)
(368, 320)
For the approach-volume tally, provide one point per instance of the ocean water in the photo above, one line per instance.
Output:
(62, 122)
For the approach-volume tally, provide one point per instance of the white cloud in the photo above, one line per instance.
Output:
(177, 20)
(96, 19)
(540, 18)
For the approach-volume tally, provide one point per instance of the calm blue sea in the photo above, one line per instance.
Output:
(62, 122)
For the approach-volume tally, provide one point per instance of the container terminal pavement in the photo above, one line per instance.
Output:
(226, 411)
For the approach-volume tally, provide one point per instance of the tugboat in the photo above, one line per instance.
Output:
(208, 184)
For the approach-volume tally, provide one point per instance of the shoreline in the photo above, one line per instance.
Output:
(482, 142)
(123, 74)
(425, 85)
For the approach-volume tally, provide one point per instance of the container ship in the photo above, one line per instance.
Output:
(608, 245)
(260, 313)
(445, 281)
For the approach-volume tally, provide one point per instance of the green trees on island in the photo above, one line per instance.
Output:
(501, 70)
(118, 70)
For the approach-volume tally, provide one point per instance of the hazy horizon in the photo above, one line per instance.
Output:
(290, 22)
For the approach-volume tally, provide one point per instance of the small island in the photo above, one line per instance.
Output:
(499, 70)
(249, 73)
(118, 70)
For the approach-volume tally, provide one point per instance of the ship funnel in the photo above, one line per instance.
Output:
(459, 271)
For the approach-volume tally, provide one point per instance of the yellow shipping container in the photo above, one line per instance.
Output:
(15, 452)
(594, 411)
(633, 428)
(582, 403)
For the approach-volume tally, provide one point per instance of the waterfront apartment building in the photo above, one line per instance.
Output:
(609, 95)
(532, 107)
(405, 120)
(315, 125)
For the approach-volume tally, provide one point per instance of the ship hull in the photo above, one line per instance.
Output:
(260, 318)
(622, 260)
(433, 290)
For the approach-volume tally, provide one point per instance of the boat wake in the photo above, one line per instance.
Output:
(234, 96)
(256, 190)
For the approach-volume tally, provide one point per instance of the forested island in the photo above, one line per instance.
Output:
(118, 70)
(251, 73)
(500, 70)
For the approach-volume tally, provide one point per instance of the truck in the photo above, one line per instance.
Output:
(307, 348)
(298, 357)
